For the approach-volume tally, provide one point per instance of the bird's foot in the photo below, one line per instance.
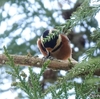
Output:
(48, 57)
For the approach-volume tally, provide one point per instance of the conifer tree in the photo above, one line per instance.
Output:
(80, 80)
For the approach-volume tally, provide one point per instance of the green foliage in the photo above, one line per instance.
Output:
(79, 16)
(63, 85)
(86, 69)
(92, 52)
(31, 87)
(89, 85)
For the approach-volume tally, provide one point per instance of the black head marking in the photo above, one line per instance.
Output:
(52, 42)
(45, 33)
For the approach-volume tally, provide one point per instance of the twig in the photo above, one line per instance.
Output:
(38, 62)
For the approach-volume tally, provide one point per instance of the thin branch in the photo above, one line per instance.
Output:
(38, 62)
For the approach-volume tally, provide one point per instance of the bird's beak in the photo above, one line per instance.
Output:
(49, 49)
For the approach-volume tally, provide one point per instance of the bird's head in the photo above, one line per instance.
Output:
(53, 42)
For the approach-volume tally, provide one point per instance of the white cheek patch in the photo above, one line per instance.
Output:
(41, 38)
(59, 40)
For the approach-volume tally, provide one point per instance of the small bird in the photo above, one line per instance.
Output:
(57, 47)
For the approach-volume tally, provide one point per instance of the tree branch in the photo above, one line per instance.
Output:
(38, 62)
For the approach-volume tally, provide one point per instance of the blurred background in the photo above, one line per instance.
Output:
(23, 21)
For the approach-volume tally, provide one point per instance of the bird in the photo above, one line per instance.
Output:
(57, 47)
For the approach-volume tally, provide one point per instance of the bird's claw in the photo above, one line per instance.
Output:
(48, 57)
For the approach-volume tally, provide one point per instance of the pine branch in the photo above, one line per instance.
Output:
(38, 62)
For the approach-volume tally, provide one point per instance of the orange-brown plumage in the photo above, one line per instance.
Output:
(62, 50)
(41, 48)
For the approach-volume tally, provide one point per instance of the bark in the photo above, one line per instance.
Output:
(38, 62)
